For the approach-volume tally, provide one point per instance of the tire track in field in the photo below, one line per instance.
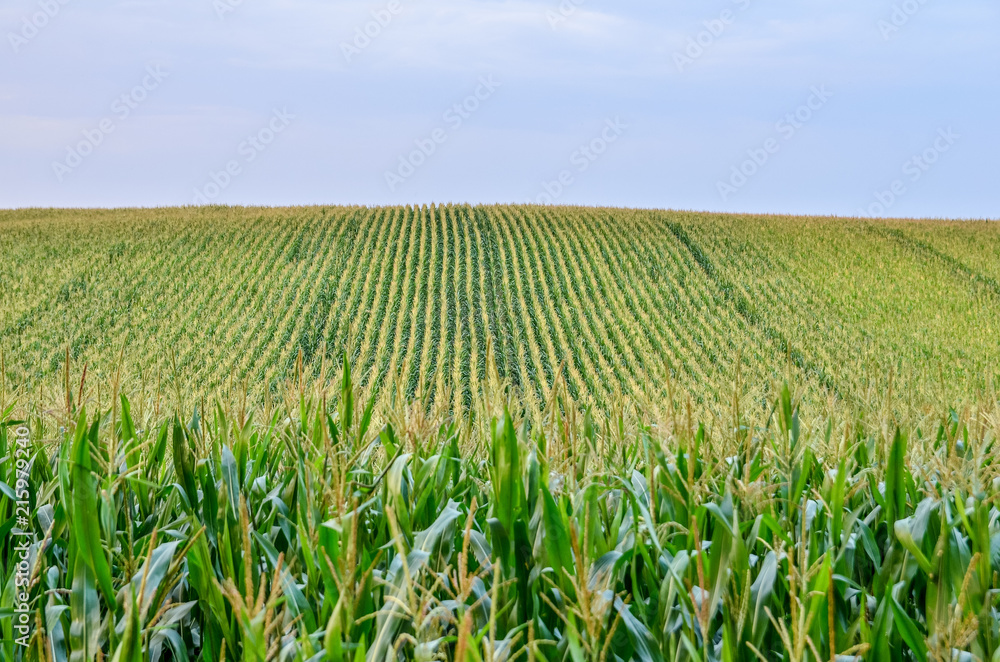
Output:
(919, 246)
(746, 310)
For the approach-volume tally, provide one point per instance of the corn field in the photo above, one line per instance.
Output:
(306, 533)
(497, 434)
(451, 302)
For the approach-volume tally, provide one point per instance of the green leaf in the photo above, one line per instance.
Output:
(184, 465)
(895, 480)
(346, 398)
(128, 427)
(907, 627)
(507, 482)
(869, 545)
(644, 644)
(130, 647)
(522, 568)
(557, 543)
(231, 477)
(85, 614)
(159, 565)
(761, 592)
(837, 500)
(366, 418)
(333, 643)
(86, 520)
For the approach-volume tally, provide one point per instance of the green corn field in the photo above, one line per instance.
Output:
(620, 306)
(305, 533)
(497, 434)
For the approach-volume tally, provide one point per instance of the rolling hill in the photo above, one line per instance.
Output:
(444, 301)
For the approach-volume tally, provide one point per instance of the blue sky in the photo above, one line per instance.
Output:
(815, 106)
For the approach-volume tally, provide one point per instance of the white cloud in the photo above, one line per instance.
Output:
(608, 57)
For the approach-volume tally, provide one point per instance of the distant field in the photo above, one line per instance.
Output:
(437, 299)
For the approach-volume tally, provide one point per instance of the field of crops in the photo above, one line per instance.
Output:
(305, 534)
(497, 434)
(447, 302)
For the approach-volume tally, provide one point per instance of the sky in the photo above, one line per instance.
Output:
(825, 107)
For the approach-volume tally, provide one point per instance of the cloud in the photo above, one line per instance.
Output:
(607, 58)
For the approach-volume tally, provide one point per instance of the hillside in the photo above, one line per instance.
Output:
(793, 453)
(436, 300)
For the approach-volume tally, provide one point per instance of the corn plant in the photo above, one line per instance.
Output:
(330, 527)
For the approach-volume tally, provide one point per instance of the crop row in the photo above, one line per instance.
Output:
(446, 300)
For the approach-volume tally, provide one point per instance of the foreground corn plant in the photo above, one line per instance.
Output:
(315, 535)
